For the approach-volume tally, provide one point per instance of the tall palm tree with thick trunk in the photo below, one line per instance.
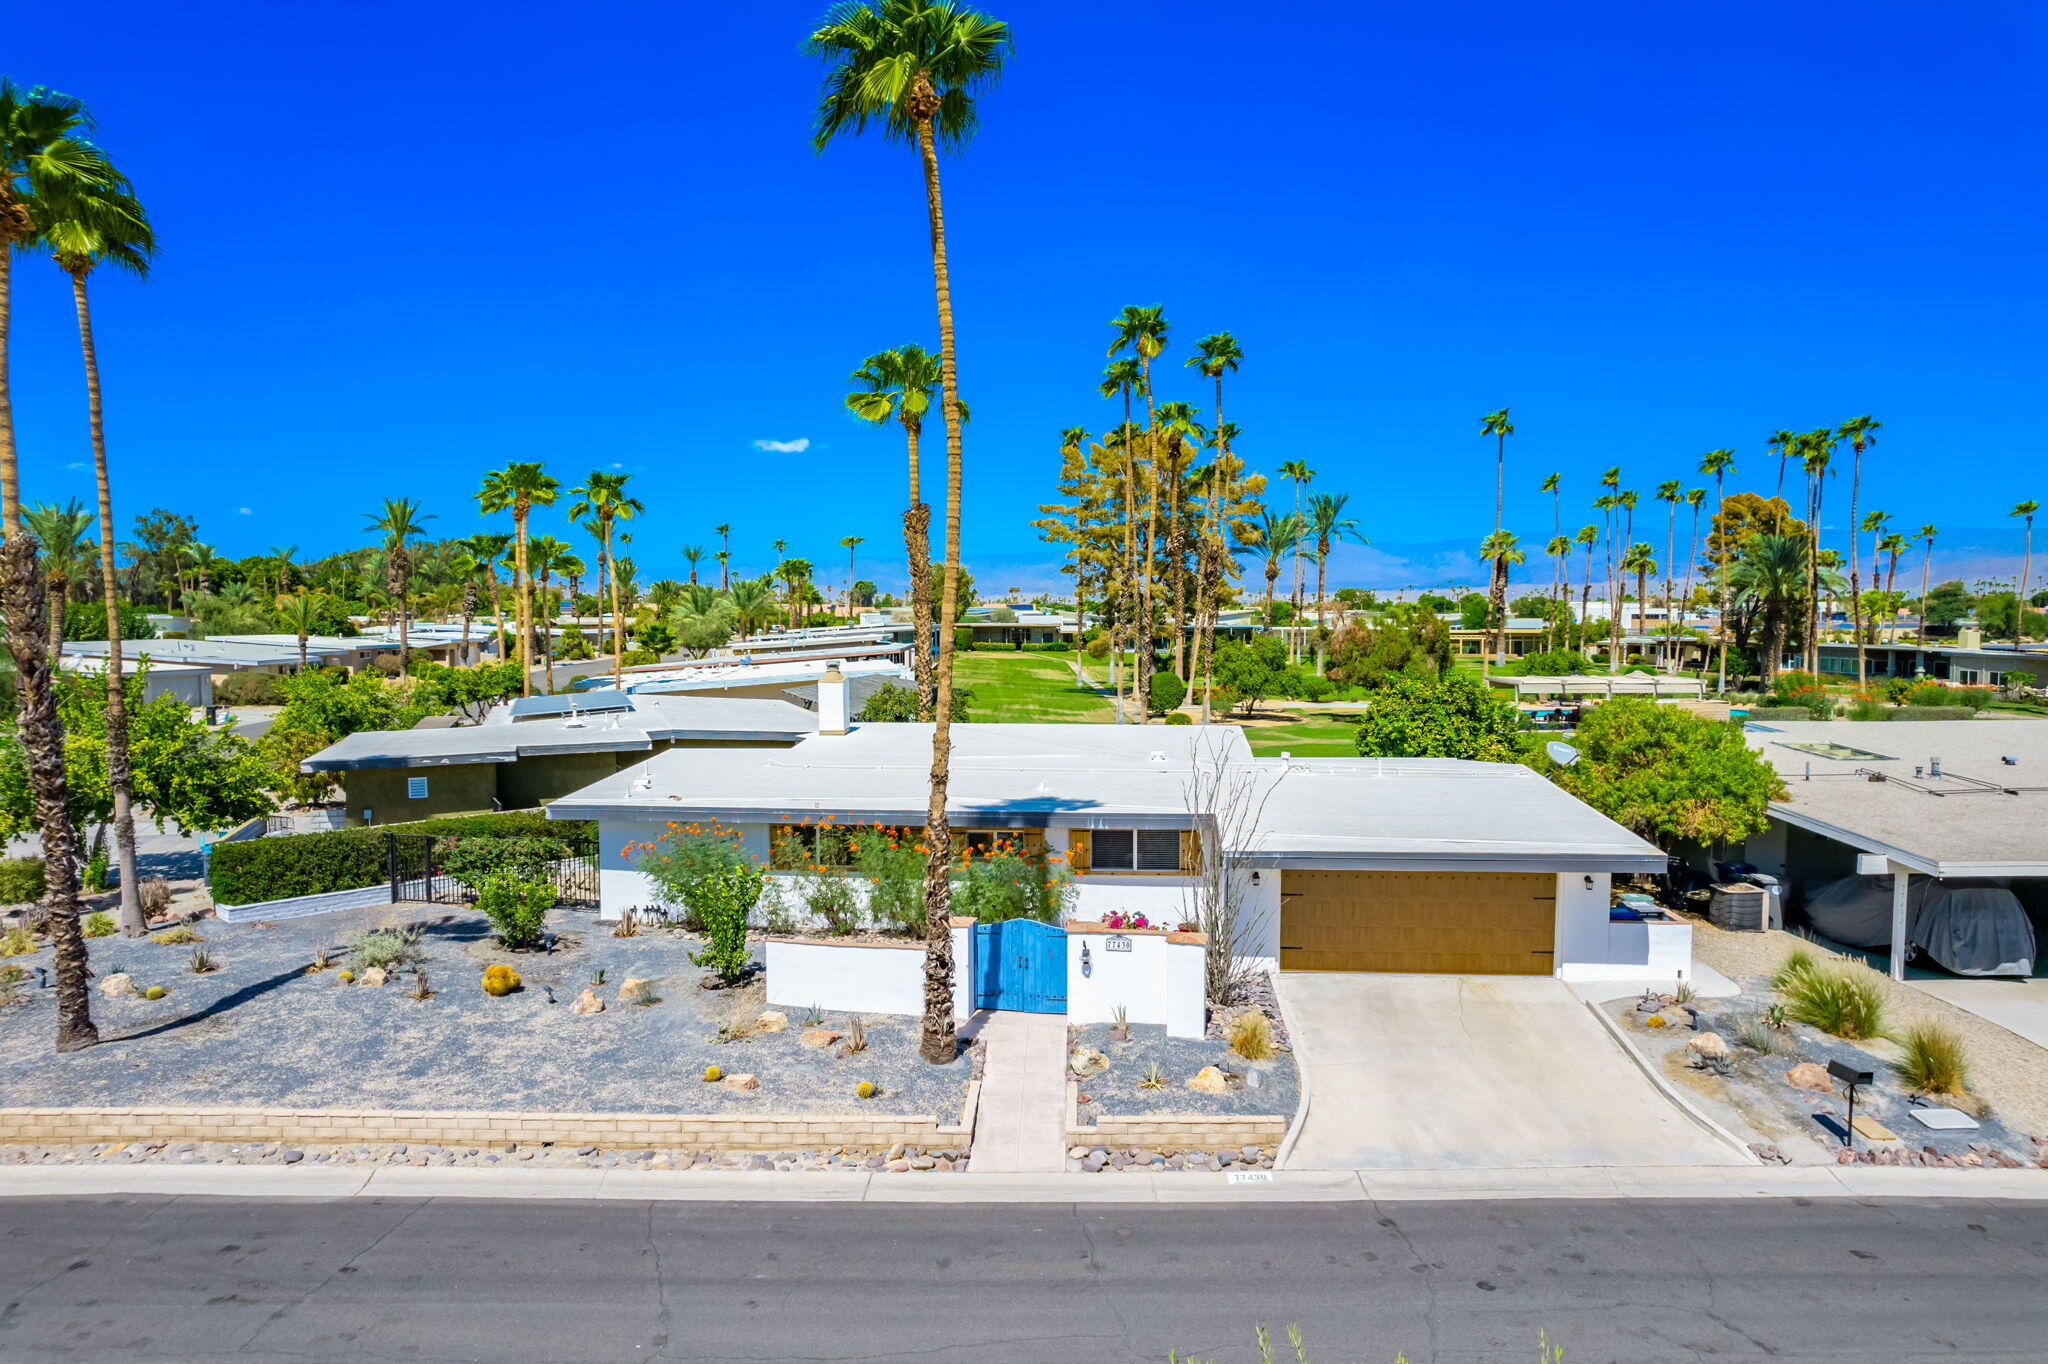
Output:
(1772, 569)
(302, 614)
(1215, 355)
(81, 231)
(1142, 331)
(1861, 433)
(1497, 425)
(2025, 511)
(44, 157)
(1894, 547)
(693, 555)
(1271, 538)
(518, 488)
(915, 67)
(1640, 560)
(62, 533)
(1121, 378)
(399, 522)
(1501, 550)
(1718, 464)
(602, 502)
(900, 384)
(1182, 435)
(1560, 551)
(1328, 527)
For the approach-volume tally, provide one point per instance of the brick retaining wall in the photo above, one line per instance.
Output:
(1168, 1134)
(343, 1127)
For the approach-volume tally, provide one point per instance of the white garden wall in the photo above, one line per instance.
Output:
(863, 977)
(1156, 977)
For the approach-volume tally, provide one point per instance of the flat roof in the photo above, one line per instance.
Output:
(1363, 813)
(651, 720)
(1981, 817)
(225, 652)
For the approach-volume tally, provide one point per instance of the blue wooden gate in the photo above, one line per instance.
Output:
(1020, 964)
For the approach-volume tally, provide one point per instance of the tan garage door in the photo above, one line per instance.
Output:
(1446, 923)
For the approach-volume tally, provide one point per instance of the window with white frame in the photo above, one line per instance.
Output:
(1134, 850)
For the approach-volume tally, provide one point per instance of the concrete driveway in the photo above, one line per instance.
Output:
(1473, 1072)
(2018, 1006)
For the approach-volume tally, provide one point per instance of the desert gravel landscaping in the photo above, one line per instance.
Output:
(266, 1030)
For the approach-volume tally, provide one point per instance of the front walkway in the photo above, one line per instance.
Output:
(1443, 1073)
(1020, 1125)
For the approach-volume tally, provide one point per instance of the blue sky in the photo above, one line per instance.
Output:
(406, 243)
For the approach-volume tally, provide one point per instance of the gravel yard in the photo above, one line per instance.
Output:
(1250, 1087)
(2008, 1072)
(264, 1030)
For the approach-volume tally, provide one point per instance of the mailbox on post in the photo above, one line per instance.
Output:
(1851, 1077)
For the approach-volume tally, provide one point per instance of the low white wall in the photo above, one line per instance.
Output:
(300, 906)
(1641, 951)
(1581, 920)
(1156, 981)
(862, 977)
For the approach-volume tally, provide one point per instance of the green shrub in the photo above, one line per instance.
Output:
(1555, 663)
(249, 689)
(21, 880)
(393, 949)
(1926, 713)
(895, 874)
(470, 858)
(634, 658)
(276, 868)
(1180, 718)
(1767, 714)
(1098, 647)
(1864, 706)
(712, 878)
(1166, 693)
(517, 908)
(1304, 685)
(832, 901)
(99, 924)
(1842, 997)
(1932, 1061)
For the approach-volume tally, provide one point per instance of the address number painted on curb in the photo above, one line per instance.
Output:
(1250, 1177)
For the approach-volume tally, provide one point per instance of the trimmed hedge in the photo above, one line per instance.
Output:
(1768, 713)
(1928, 713)
(287, 865)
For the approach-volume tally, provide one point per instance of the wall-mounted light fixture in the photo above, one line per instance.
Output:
(1589, 880)
(1087, 961)
(1255, 878)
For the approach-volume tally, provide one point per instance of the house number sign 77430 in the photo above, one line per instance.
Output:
(1116, 942)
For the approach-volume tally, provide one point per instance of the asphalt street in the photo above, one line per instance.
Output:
(158, 1278)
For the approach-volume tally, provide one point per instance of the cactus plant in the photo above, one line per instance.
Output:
(345, 978)
(155, 992)
(712, 1075)
(866, 1089)
(500, 980)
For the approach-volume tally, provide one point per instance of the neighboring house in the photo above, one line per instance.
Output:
(191, 683)
(1525, 635)
(1029, 625)
(539, 748)
(1339, 864)
(221, 658)
(840, 640)
(1976, 664)
(764, 680)
(1951, 800)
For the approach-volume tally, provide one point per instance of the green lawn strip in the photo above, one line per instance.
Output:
(1015, 688)
(1326, 734)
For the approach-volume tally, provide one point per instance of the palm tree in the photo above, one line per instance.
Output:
(1328, 526)
(602, 502)
(1122, 377)
(693, 555)
(849, 544)
(2026, 511)
(1271, 538)
(1142, 331)
(301, 614)
(1719, 464)
(203, 560)
(1497, 425)
(1861, 433)
(795, 575)
(1214, 355)
(481, 553)
(1670, 493)
(1693, 498)
(899, 384)
(1554, 485)
(1926, 537)
(1560, 551)
(1786, 443)
(1183, 434)
(82, 231)
(1297, 472)
(724, 556)
(1873, 524)
(44, 159)
(1772, 569)
(1894, 546)
(66, 551)
(1587, 538)
(915, 67)
(399, 521)
(753, 605)
(1639, 560)
(518, 488)
(547, 557)
(1816, 450)
(1500, 550)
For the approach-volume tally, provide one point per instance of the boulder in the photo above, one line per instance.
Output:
(631, 986)
(1710, 1045)
(771, 1020)
(1808, 1075)
(1085, 1061)
(819, 1038)
(120, 983)
(1209, 1080)
(587, 1003)
(373, 976)
(741, 1081)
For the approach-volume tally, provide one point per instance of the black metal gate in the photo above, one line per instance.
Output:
(449, 870)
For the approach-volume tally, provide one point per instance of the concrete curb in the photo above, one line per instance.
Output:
(1670, 1091)
(1717, 1182)
(1294, 1040)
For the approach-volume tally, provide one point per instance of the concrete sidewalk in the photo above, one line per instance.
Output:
(1280, 1186)
(1020, 1123)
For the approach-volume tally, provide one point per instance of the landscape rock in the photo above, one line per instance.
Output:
(120, 983)
(1710, 1045)
(374, 976)
(771, 1020)
(1086, 1061)
(1808, 1075)
(740, 1081)
(631, 986)
(819, 1038)
(587, 1003)
(1209, 1080)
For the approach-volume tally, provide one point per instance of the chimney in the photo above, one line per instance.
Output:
(833, 700)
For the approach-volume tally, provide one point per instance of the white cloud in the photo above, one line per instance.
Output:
(617, 465)
(243, 511)
(78, 464)
(784, 447)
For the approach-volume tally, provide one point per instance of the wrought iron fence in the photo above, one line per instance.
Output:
(449, 870)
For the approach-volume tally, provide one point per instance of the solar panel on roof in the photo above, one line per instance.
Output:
(584, 703)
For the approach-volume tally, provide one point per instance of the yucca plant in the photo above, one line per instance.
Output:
(203, 961)
(1932, 1061)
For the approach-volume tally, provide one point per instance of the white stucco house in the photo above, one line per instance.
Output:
(1336, 864)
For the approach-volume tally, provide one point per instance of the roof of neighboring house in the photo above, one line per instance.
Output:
(1981, 817)
(650, 720)
(858, 691)
(216, 653)
(724, 674)
(1419, 814)
(97, 663)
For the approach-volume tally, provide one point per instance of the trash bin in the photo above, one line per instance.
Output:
(1774, 893)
